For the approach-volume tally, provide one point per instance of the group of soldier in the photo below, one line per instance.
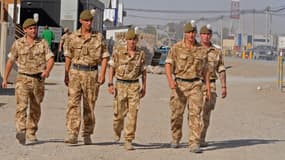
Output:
(191, 70)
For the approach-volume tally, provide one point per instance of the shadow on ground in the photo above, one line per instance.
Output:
(216, 145)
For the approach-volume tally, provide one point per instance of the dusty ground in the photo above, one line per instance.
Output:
(247, 125)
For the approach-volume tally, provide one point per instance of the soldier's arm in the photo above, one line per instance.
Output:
(222, 76)
(103, 70)
(50, 64)
(67, 68)
(8, 69)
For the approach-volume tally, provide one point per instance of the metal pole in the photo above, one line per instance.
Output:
(222, 32)
(2, 11)
(15, 12)
(253, 28)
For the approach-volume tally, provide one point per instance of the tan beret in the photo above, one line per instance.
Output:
(131, 34)
(29, 22)
(189, 27)
(86, 15)
(205, 30)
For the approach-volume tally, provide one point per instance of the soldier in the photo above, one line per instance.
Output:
(127, 64)
(215, 59)
(85, 50)
(61, 43)
(187, 61)
(35, 61)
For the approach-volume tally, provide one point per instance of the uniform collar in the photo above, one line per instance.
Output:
(79, 34)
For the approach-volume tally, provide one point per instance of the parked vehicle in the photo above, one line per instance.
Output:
(264, 52)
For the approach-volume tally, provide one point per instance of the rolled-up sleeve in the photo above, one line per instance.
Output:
(169, 59)
(221, 66)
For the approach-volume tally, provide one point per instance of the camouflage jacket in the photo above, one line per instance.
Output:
(88, 51)
(216, 61)
(187, 63)
(30, 59)
(126, 67)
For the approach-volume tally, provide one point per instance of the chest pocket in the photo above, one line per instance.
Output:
(184, 61)
(199, 63)
(76, 50)
(95, 53)
(38, 55)
(122, 68)
(23, 56)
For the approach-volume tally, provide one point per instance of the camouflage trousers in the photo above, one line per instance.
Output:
(186, 94)
(28, 90)
(126, 104)
(81, 84)
(208, 106)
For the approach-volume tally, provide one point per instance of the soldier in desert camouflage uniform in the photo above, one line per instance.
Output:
(85, 50)
(187, 61)
(215, 59)
(127, 64)
(35, 61)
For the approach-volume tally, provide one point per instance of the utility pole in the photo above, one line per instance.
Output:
(222, 32)
(253, 28)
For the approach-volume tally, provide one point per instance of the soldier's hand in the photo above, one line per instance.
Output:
(45, 74)
(66, 80)
(4, 84)
(101, 80)
(111, 89)
(224, 92)
(172, 84)
(142, 92)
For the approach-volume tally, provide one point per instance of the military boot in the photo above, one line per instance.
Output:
(116, 138)
(72, 139)
(195, 149)
(21, 137)
(87, 140)
(204, 144)
(31, 138)
(128, 145)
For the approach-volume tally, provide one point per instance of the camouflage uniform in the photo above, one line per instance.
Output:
(83, 82)
(126, 103)
(215, 60)
(188, 68)
(31, 61)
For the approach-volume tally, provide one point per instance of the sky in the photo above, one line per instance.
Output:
(245, 24)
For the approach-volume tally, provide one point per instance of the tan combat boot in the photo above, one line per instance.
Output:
(72, 139)
(195, 148)
(128, 145)
(21, 137)
(31, 138)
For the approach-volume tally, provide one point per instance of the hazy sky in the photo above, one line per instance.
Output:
(245, 24)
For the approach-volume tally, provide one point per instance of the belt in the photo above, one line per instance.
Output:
(37, 75)
(84, 67)
(211, 81)
(187, 80)
(127, 81)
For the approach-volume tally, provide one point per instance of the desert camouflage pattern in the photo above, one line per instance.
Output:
(187, 64)
(87, 52)
(126, 67)
(29, 91)
(215, 59)
(127, 99)
(84, 84)
(126, 104)
(30, 59)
